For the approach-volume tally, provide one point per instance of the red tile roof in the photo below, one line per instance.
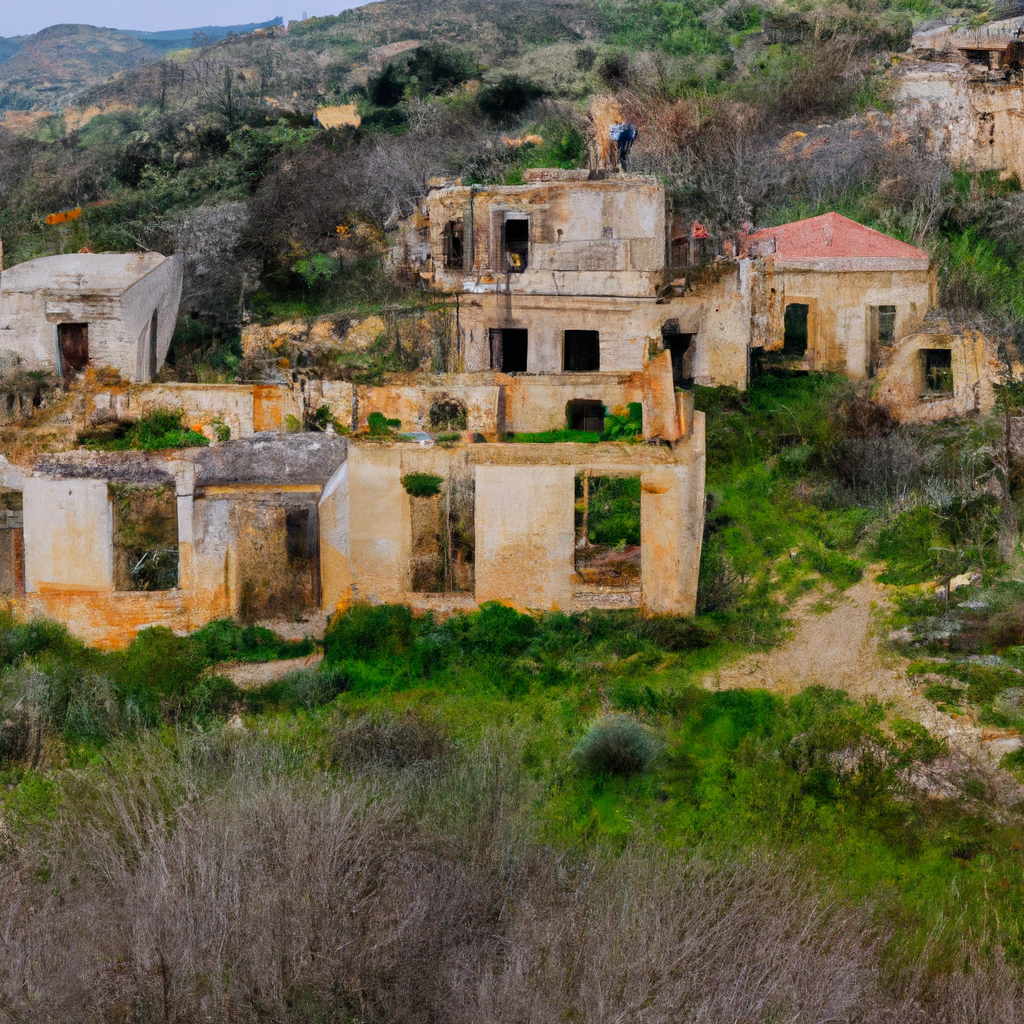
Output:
(833, 236)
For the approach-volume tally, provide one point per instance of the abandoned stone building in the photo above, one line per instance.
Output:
(291, 526)
(582, 277)
(961, 91)
(111, 310)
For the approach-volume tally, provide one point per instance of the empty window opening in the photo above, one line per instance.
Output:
(74, 347)
(582, 352)
(153, 335)
(517, 244)
(509, 348)
(795, 340)
(448, 414)
(443, 533)
(938, 371)
(277, 552)
(886, 324)
(681, 348)
(12, 544)
(608, 553)
(454, 248)
(514, 345)
(145, 536)
(585, 414)
(881, 334)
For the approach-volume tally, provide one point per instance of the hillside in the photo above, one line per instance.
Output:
(804, 802)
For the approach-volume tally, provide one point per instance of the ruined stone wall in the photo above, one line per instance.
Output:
(524, 526)
(975, 367)
(534, 404)
(158, 292)
(966, 120)
(586, 237)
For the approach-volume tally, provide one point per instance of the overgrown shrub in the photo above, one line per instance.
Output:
(616, 745)
(366, 632)
(422, 485)
(388, 741)
(156, 431)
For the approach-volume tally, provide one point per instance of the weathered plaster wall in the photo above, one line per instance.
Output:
(335, 543)
(839, 319)
(115, 296)
(976, 366)
(158, 292)
(525, 535)
(68, 535)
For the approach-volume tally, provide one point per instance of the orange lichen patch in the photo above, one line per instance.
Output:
(111, 619)
(271, 407)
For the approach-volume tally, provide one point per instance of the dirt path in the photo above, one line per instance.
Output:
(840, 649)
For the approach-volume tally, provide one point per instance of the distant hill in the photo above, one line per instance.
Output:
(39, 70)
(180, 37)
(65, 58)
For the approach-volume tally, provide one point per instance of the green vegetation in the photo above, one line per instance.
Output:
(156, 431)
(422, 485)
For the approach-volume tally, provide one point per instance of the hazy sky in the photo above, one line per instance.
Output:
(19, 18)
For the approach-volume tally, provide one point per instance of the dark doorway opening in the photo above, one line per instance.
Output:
(681, 347)
(517, 244)
(938, 371)
(153, 346)
(582, 352)
(514, 342)
(794, 342)
(454, 249)
(585, 414)
(74, 346)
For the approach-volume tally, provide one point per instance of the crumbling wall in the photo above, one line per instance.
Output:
(967, 121)
(523, 521)
(479, 395)
(586, 237)
(975, 366)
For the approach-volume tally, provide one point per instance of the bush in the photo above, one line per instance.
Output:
(616, 745)
(421, 485)
(388, 742)
(368, 632)
(158, 430)
(508, 98)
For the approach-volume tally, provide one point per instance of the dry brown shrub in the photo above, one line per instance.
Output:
(218, 885)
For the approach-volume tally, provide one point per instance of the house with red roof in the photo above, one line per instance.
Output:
(838, 294)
